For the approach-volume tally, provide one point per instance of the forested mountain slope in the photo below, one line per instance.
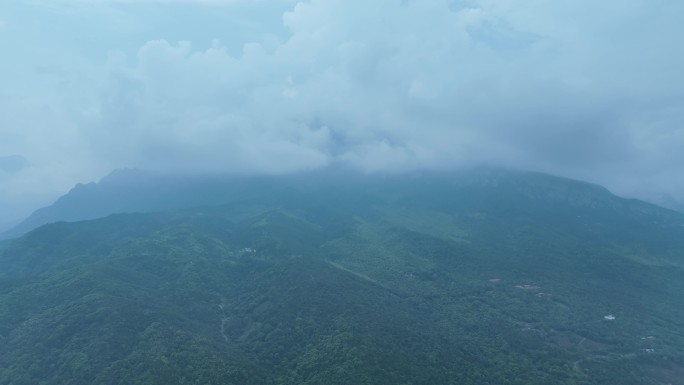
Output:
(479, 278)
(129, 191)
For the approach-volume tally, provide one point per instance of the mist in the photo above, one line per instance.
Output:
(574, 88)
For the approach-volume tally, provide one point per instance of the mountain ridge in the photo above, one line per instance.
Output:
(133, 190)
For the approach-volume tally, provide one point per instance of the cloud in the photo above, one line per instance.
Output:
(12, 164)
(578, 88)
(107, 2)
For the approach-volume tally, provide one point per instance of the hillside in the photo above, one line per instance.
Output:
(127, 191)
(485, 277)
(137, 191)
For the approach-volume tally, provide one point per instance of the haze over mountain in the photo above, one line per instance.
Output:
(127, 191)
(328, 195)
(574, 88)
(478, 277)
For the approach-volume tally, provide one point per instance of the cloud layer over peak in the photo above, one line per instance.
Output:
(584, 89)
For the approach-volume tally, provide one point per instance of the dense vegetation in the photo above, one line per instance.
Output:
(492, 278)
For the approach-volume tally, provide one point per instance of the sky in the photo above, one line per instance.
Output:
(584, 89)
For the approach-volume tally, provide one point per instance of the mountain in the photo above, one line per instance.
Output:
(136, 191)
(480, 277)
(132, 190)
(669, 202)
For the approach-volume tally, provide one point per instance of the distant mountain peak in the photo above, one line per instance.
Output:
(134, 190)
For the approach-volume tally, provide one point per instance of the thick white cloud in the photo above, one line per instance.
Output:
(590, 90)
